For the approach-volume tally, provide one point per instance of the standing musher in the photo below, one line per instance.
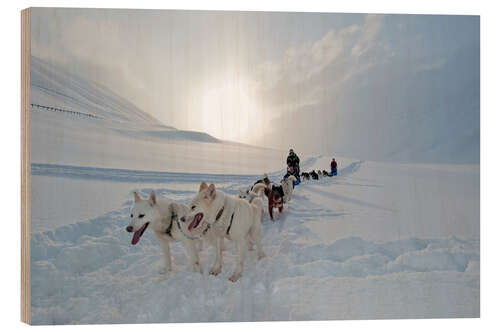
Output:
(293, 162)
(333, 166)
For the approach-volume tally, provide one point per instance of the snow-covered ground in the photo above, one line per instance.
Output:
(381, 240)
(378, 241)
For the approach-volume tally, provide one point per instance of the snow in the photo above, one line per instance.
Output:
(87, 272)
(381, 240)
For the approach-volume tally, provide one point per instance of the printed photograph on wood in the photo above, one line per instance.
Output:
(208, 166)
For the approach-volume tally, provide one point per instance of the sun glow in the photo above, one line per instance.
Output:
(230, 111)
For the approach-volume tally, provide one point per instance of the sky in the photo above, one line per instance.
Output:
(402, 87)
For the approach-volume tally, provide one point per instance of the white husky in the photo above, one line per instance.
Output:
(163, 216)
(251, 194)
(218, 216)
(287, 185)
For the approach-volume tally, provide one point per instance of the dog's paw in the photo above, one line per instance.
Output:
(235, 277)
(215, 271)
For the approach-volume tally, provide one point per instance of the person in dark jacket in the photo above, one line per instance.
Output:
(293, 162)
(333, 166)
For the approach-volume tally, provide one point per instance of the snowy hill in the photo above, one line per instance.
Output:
(78, 122)
(53, 86)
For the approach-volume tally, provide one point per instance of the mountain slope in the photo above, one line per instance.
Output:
(51, 85)
(78, 122)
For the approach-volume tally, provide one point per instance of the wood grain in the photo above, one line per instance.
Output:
(25, 166)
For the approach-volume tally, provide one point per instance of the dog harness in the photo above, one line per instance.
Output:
(169, 229)
(175, 217)
(230, 224)
(219, 214)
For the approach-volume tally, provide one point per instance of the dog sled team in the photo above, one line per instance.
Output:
(293, 162)
(317, 174)
(213, 216)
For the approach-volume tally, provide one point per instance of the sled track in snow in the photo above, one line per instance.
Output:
(132, 176)
(143, 176)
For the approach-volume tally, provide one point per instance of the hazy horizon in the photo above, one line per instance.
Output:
(360, 85)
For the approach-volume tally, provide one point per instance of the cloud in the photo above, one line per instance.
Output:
(369, 32)
(313, 66)
(373, 91)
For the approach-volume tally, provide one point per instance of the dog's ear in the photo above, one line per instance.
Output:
(152, 198)
(211, 191)
(137, 197)
(203, 186)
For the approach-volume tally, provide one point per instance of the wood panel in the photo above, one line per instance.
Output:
(25, 166)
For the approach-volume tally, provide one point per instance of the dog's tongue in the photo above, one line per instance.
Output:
(136, 237)
(138, 234)
(196, 221)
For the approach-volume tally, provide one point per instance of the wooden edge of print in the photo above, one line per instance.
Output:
(25, 166)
